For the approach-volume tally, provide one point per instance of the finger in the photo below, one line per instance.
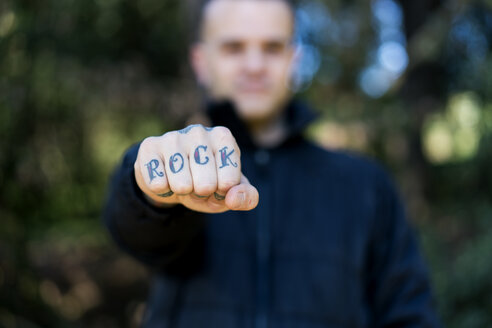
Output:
(227, 160)
(155, 177)
(242, 197)
(202, 165)
(176, 165)
(150, 169)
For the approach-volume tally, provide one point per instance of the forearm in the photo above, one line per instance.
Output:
(155, 235)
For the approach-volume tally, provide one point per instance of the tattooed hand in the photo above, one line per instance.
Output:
(198, 167)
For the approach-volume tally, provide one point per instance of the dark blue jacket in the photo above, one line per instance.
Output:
(327, 246)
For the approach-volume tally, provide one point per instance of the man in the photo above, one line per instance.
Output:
(323, 244)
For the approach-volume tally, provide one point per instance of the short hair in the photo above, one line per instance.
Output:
(197, 22)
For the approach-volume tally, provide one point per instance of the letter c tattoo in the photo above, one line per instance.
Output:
(197, 155)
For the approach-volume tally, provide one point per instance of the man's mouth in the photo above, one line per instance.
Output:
(253, 87)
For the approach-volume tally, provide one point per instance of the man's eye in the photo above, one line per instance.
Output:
(232, 48)
(274, 48)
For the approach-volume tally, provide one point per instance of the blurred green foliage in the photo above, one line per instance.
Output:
(80, 81)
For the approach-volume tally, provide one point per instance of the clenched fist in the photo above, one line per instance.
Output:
(198, 167)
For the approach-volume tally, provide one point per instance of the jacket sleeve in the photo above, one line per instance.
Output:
(164, 238)
(398, 285)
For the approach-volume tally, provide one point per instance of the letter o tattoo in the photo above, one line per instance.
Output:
(176, 158)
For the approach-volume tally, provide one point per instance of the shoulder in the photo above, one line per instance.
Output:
(364, 183)
(346, 164)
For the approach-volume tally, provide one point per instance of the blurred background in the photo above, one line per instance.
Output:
(408, 83)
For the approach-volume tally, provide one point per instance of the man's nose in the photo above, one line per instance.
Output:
(254, 61)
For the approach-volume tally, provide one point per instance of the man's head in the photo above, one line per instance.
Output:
(245, 53)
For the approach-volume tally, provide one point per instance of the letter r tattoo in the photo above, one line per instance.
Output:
(152, 169)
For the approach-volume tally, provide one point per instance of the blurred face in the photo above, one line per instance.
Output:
(245, 55)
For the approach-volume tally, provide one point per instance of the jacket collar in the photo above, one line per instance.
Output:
(297, 115)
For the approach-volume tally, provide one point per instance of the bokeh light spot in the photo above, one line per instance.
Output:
(375, 81)
(7, 23)
(387, 12)
(393, 57)
(438, 142)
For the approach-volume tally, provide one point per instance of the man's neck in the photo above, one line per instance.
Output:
(269, 133)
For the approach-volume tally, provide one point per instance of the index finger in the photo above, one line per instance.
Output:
(227, 160)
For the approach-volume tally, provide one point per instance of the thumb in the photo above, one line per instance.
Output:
(242, 197)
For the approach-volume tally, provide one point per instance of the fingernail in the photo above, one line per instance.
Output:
(218, 197)
(167, 194)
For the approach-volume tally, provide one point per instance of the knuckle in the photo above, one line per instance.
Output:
(169, 138)
(228, 184)
(205, 189)
(182, 188)
(198, 126)
(196, 134)
(221, 133)
(158, 187)
(169, 142)
(147, 144)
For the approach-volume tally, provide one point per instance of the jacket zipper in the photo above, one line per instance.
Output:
(263, 235)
